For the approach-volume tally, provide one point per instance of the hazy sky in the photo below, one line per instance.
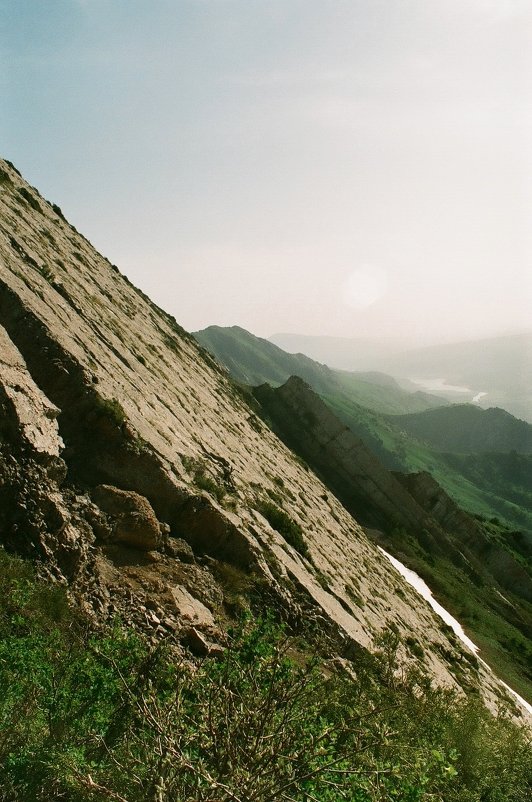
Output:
(352, 168)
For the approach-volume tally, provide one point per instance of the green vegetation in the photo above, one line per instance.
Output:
(485, 484)
(205, 482)
(30, 200)
(468, 429)
(97, 715)
(375, 408)
(13, 167)
(253, 361)
(505, 481)
(282, 523)
(58, 211)
(111, 409)
(198, 468)
(237, 585)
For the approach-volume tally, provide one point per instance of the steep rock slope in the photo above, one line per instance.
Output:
(105, 398)
(477, 568)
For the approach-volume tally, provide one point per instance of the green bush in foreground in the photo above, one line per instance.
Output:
(101, 717)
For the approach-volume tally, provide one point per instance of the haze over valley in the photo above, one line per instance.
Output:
(265, 401)
(495, 371)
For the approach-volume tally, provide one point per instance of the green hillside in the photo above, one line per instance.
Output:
(253, 361)
(491, 484)
(467, 429)
(508, 477)
(378, 411)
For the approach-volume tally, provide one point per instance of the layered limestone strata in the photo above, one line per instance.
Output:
(139, 407)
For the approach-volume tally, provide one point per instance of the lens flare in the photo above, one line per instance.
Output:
(365, 285)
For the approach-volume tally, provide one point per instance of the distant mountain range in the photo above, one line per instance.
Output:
(465, 448)
(497, 371)
(253, 360)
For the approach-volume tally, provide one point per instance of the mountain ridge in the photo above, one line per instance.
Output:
(118, 430)
(496, 370)
(465, 428)
(253, 360)
(360, 405)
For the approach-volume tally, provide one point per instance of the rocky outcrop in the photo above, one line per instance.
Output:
(35, 518)
(358, 479)
(467, 535)
(101, 387)
(24, 407)
(433, 499)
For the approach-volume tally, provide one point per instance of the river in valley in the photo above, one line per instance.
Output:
(453, 392)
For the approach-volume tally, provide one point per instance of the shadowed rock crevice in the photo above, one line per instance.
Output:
(208, 531)
(100, 447)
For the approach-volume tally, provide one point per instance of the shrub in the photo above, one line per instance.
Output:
(97, 715)
(47, 274)
(30, 200)
(282, 523)
(205, 482)
(111, 409)
(58, 211)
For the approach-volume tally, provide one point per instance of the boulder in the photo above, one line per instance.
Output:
(199, 645)
(190, 608)
(133, 521)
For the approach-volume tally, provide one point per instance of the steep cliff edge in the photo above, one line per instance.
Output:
(360, 481)
(478, 569)
(131, 466)
(467, 533)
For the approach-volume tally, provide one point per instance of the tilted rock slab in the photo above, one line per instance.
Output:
(144, 409)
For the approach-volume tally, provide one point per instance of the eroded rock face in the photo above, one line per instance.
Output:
(144, 411)
(191, 609)
(200, 523)
(435, 501)
(35, 519)
(366, 488)
(467, 534)
(24, 407)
